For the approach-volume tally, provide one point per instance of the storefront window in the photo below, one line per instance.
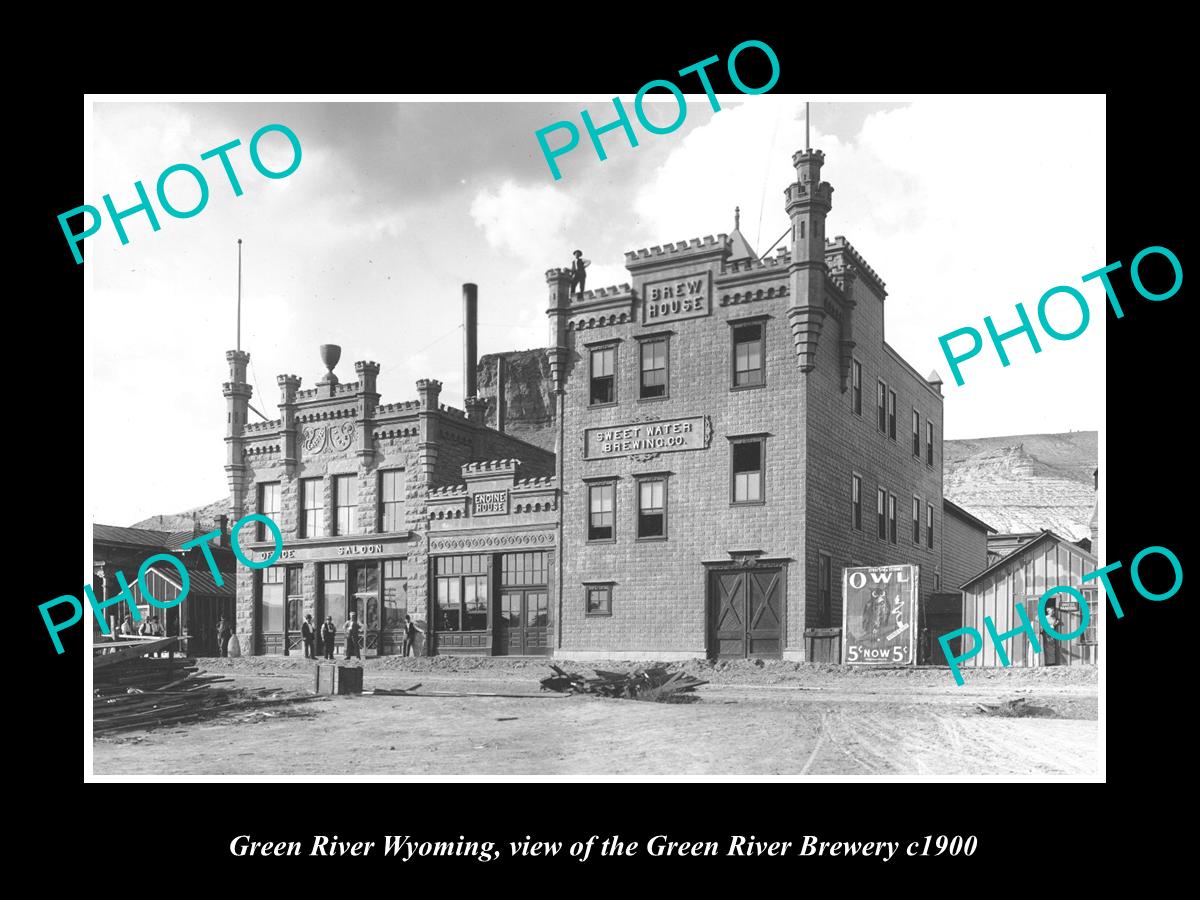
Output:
(366, 594)
(295, 607)
(462, 593)
(475, 596)
(538, 608)
(449, 597)
(335, 593)
(272, 599)
(519, 569)
(395, 594)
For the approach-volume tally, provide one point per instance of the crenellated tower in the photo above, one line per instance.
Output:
(237, 410)
(808, 201)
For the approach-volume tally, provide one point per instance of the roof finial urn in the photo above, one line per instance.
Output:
(330, 354)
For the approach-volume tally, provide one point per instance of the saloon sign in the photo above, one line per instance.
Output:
(879, 611)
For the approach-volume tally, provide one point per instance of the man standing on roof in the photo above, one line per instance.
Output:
(579, 271)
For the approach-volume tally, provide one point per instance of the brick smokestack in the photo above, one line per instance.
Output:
(470, 339)
(501, 376)
(476, 408)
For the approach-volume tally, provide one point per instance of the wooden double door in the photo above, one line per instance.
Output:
(745, 613)
(523, 623)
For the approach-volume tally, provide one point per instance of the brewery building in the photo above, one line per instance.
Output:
(730, 431)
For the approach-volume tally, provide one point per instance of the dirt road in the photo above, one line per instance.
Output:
(777, 719)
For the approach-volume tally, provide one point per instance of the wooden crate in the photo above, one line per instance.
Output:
(335, 679)
(823, 645)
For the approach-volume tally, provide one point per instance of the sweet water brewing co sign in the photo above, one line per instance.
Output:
(879, 611)
(650, 437)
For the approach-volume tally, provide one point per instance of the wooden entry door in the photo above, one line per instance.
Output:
(523, 623)
(746, 613)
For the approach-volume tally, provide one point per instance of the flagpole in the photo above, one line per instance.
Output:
(239, 308)
(807, 137)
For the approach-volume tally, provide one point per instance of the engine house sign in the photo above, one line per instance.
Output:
(680, 298)
(490, 503)
(655, 436)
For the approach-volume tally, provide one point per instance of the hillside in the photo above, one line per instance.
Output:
(207, 516)
(1025, 482)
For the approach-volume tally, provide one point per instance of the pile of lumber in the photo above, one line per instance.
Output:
(1020, 708)
(134, 691)
(657, 683)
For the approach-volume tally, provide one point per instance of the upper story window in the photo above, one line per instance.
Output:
(268, 505)
(311, 524)
(856, 387)
(345, 494)
(749, 369)
(892, 415)
(652, 508)
(892, 518)
(928, 443)
(916, 521)
(883, 407)
(749, 470)
(604, 377)
(602, 512)
(929, 525)
(391, 500)
(881, 504)
(916, 434)
(856, 502)
(654, 369)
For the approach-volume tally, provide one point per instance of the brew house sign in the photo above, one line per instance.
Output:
(680, 298)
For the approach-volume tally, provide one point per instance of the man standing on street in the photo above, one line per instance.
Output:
(410, 634)
(308, 634)
(1049, 641)
(353, 634)
(328, 634)
(224, 632)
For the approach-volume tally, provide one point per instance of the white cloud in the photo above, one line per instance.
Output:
(523, 219)
(963, 205)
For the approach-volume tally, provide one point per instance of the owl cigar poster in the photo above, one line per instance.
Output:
(879, 612)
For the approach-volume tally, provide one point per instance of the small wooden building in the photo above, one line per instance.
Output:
(116, 549)
(1022, 577)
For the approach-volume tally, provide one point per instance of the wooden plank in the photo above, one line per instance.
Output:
(133, 651)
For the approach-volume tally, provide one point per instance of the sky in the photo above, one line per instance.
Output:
(963, 205)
